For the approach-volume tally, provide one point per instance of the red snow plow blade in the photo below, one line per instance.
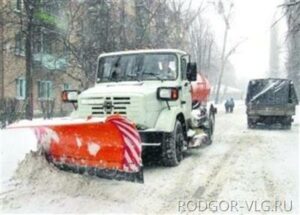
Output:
(109, 149)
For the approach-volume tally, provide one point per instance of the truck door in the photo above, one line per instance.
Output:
(186, 96)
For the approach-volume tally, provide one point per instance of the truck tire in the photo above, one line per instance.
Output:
(211, 124)
(286, 122)
(287, 126)
(250, 122)
(210, 129)
(172, 146)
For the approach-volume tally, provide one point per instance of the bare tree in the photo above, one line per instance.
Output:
(274, 53)
(292, 13)
(201, 44)
(226, 18)
(93, 28)
(1, 49)
(30, 8)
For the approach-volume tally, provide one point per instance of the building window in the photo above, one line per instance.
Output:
(21, 88)
(45, 90)
(17, 5)
(20, 44)
(66, 86)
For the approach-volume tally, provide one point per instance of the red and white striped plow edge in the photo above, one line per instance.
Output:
(133, 144)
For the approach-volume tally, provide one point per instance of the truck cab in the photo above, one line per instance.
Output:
(152, 88)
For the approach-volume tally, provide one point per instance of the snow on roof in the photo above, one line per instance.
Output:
(143, 51)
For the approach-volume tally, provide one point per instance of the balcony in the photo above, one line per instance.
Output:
(51, 62)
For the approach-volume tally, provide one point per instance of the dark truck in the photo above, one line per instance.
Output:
(271, 101)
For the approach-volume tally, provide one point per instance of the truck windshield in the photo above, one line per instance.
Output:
(137, 67)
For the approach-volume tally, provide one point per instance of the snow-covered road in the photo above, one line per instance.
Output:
(242, 166)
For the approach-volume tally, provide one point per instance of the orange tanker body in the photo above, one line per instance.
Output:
(200, 89)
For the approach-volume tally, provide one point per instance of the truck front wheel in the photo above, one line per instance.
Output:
(172, 146)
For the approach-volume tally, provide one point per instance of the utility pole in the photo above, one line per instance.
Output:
(223, 62)
(223, 57)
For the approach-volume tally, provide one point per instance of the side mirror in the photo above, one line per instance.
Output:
(191, 72)
(70, 96)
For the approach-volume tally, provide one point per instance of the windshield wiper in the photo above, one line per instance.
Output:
(134, 77)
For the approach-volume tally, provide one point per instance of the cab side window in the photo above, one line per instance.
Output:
(183, 68)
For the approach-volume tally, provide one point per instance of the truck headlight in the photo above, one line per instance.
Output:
(167, 93)
(70, 96)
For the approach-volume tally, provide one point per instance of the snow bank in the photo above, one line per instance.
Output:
(15, 143)
(297, 116)
(51, 190)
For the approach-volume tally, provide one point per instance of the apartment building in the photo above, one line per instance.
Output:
(50, 59)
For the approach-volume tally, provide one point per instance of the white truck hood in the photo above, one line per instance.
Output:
(140, 98)
(122, 88)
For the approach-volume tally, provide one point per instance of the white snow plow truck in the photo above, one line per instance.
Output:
(145, 102)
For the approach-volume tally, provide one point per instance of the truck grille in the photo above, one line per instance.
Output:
(111, 105)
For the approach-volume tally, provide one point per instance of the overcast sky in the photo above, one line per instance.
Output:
(251, 21)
